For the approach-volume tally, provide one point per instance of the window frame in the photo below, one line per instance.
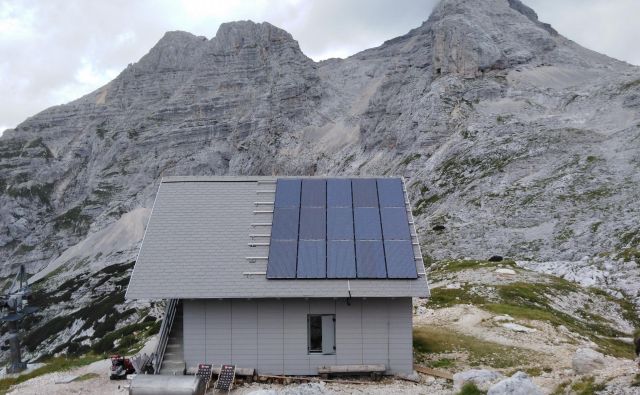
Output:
(309, 351)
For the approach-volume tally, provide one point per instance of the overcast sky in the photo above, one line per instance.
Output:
(55, 51)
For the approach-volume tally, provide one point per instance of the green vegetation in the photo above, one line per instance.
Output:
(587, 386)
(630, 84)
(434, 340)
(592, 159)
(442, 363)
(533, 301)
(73, 220)
(40, 191)
(101, 131)
(470, 389)
(103, 308)
(52, 365)
(631, 238)
(410, 159)
(24, 248)
(87, 376)
(130, 336)
(422, 204)
(629, 254)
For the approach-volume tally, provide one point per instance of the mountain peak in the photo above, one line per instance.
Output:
(471, 36)
(248, 33)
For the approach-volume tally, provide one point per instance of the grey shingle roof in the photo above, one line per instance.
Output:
(197, 244)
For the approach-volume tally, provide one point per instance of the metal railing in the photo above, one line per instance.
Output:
(163, 335)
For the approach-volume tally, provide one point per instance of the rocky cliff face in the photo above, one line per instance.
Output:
(514, 141)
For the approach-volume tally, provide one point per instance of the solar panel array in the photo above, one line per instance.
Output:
(340, 228)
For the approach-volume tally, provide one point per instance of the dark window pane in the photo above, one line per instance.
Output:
(284, 225)
(312, 259)
(313, 224)
(287, 192)
(395, 225)
(365, 193)
(401, 262)
(314, 193)
(367, 223)
(315, 333)
(282, 259)
(339, 193)
(339, 223)
(390, 193)
(370, 259)
(341, 259)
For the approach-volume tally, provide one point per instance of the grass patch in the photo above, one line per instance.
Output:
(587, 386)
(40, 191)
(74, 220)
(87, 376)
(533, 301)
(429, 340)
(410, 159)
(630, 84)
(470, 389)
(52, 365)
(442, 363)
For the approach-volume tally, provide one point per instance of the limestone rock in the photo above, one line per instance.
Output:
(518, 384)
(509, 134)
(482, 378)
(586, 360)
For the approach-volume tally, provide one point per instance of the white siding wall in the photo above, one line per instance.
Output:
(271, 334)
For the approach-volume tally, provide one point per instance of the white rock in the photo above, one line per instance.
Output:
(453, 286)
(482, 378)
(502, 318)
(415, 377)
(505, 271)
(586, 360)
(518, 384)
(517, 327)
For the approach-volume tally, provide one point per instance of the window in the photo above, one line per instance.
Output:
(322, 333)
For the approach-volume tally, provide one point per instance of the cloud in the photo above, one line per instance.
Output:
(52, 52)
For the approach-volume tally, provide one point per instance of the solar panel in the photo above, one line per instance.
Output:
(401, 262)
(390, 192)
(314, 193)
(287, 193)
(282, 259)
(370, 259)
(285, 224)
(339, 192)
(339, 223)
(311, 259)
(313, 223)
(367, 223)
(341, 259)
(364, 193)
(340, 228)
(395, 225)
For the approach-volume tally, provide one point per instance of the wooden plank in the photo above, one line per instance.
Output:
(311, 379)
(351, 368)
(433, 372)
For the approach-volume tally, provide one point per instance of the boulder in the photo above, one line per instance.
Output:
(518, 328)
(518, 384)
(482, 378)
(586, 360)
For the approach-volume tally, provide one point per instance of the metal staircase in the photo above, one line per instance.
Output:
(169, 356)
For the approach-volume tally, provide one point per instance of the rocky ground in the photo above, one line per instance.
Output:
(513, 141)
(485, 322)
